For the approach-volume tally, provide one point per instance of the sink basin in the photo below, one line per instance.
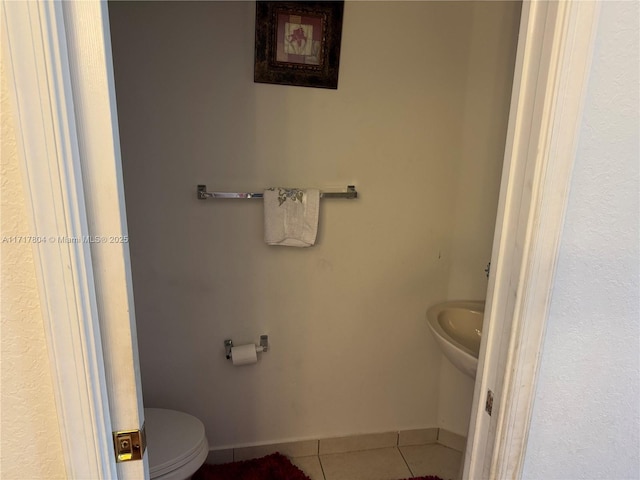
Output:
(457, 327)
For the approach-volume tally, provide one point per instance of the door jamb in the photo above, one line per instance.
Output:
(35, 48)
(550, 79)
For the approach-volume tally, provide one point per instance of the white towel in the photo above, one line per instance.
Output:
(291, 216)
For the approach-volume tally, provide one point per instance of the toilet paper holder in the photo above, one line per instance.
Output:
(264, 344)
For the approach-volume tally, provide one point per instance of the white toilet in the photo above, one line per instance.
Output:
(176, 443)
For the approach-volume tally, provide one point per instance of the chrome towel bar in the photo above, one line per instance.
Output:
(204, 195)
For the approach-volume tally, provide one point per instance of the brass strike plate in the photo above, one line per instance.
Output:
(129, 445)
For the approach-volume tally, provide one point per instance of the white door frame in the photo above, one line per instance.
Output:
(551, 73)
(59, 66)
(47, 146)
(48, 43)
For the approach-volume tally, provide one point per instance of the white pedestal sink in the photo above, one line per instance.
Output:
(457, 327)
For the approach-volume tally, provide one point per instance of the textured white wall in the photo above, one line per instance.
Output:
(350, 349)
(586, 421)
(31, 447)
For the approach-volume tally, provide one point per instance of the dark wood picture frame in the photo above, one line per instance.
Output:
(298, 42)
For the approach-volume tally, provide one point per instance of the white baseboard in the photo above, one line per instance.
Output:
(351, 443)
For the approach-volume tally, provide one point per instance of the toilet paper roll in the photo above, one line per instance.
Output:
(244, 354)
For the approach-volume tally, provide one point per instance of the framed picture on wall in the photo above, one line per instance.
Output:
(298, 43)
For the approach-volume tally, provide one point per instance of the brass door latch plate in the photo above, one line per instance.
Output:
(129, 445)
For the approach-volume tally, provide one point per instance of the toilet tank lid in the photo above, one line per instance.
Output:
(173, 438)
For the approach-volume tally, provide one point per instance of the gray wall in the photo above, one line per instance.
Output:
(417, 124)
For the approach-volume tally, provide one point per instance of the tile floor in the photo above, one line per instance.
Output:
(392, 463)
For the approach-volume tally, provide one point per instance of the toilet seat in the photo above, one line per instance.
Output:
(176, 443)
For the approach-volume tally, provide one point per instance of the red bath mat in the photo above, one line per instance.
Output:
(428, 477)
(271, 467)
